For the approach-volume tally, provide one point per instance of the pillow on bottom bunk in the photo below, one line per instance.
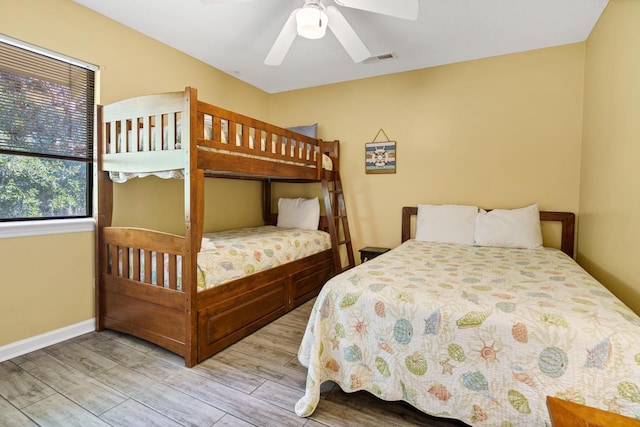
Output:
(299, 213)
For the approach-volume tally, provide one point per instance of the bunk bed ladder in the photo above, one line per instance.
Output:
(338, 224)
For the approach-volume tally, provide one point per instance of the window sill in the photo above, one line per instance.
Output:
(50, 226)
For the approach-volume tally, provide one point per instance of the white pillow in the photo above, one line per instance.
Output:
(446, 223)
(510, 228)
(299, 213)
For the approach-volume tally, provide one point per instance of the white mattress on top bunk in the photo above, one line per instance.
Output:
(232, 254)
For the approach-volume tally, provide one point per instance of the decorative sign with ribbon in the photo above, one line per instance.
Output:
(380, 157)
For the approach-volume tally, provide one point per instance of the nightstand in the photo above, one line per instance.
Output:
(370, 252)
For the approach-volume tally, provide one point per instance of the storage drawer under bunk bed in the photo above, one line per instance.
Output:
(237, 310)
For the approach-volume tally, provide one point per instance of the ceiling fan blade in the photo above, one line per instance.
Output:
(283, 42)
(346, 36)
(406, 9)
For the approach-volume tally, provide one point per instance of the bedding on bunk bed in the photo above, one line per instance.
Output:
(231, 254)
(481, 334)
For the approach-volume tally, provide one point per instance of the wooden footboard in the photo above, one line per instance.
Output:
(139, 286)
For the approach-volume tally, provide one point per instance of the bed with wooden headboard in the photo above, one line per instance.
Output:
(482, 334)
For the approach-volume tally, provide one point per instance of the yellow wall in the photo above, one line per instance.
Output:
(499, 133)
(46, 282)
(609, 187)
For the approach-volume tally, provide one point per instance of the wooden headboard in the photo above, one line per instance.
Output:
(567, 220)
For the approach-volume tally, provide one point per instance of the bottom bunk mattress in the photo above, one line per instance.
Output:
(479, 334)
(232, 254)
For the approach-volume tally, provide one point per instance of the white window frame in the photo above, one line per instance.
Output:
(13, 229)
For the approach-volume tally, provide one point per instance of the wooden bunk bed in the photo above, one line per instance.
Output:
(146, 280)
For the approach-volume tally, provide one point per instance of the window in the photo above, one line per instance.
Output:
(46, 134)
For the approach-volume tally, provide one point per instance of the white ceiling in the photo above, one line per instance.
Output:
(234, 36)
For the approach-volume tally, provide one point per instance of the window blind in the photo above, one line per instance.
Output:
(46, 105)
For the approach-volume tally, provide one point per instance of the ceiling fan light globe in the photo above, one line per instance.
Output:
(311, 22)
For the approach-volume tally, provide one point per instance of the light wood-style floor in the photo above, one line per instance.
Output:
(112, 379)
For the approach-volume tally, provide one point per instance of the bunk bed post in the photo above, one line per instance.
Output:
(103, 211)
(193, 213)
(266, 202)
(331, 149)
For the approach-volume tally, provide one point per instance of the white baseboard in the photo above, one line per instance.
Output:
(28, 345)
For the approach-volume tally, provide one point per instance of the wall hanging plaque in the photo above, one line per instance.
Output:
(380, 157)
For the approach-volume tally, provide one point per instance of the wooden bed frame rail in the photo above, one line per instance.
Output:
(142, 254)
(223, 138)
(255, 138)
(567, 220)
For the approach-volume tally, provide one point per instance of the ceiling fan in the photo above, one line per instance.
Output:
(312, 19)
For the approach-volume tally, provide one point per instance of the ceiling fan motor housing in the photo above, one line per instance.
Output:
(311, 20)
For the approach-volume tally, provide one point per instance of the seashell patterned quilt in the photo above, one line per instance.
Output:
(479, 334)
(231, 254)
